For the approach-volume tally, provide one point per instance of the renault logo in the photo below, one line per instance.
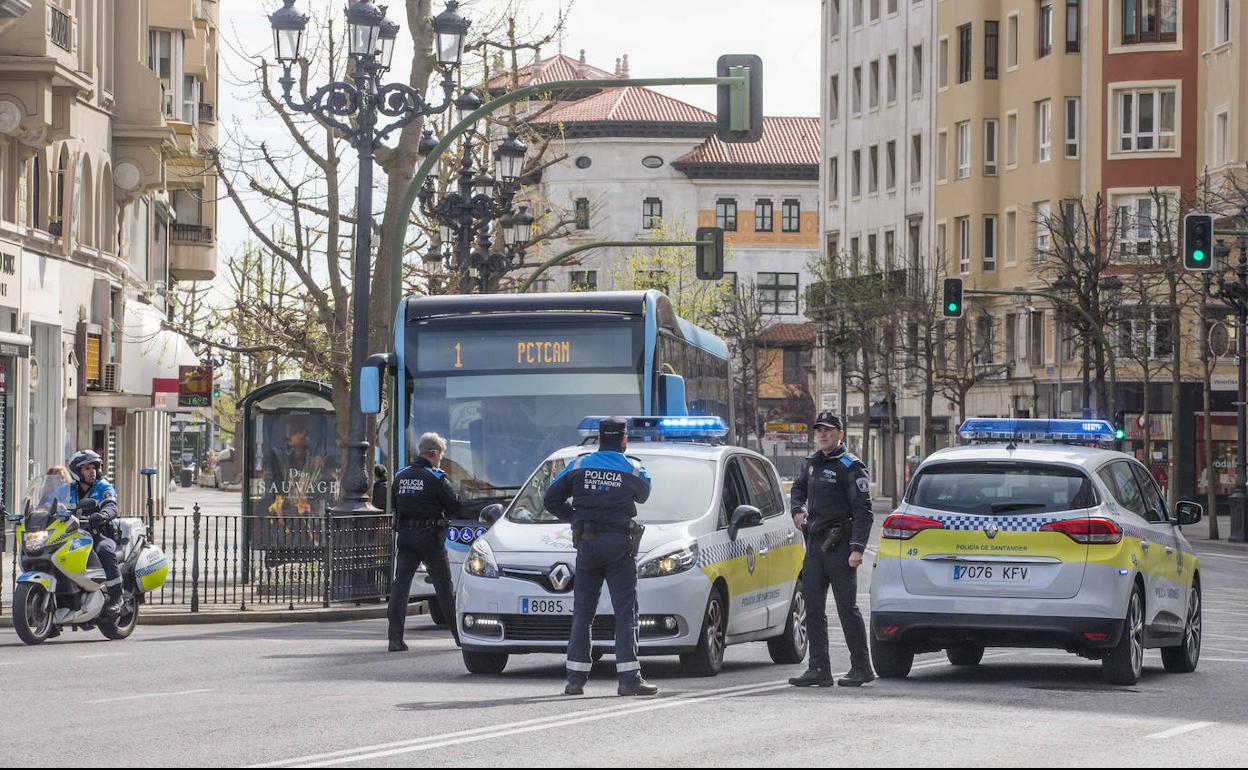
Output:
(560, 577)
(991, 530)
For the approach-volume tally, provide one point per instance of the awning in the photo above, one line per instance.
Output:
(98, 400)
(149, 351)
(15, 345)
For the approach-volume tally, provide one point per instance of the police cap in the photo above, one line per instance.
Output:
(829, 420)
(612, 430)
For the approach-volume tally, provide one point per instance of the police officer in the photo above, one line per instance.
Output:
(86, 467)
(605, 488)
(831, 500)
(422, 500)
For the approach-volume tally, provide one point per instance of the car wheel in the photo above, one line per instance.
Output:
(1124, 664)
(1183, 658)
(790, 647)
(32, 613)
(124, 624)
(891, 660)
(708, 658)
(965, 655)
(485, 662)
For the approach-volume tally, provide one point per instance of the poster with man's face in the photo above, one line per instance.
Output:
(298, 465)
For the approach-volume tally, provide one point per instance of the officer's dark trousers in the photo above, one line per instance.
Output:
(819, 572)
(106, 549)
(414, 546)
(607, 557)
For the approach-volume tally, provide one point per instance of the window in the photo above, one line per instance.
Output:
(190, 99)
(834, 19)
(1011, 41)
(834, 179)
(759, 481)
(875, 10)
(916, 71)
(834, 98)
(582, 213)
(1140, 225)
(1149, 21)
(1153, 504)
(892, 78)
(890, 250)
(1011, 237)
(1072, 26)
(964, 149)
(979, 489)
(778, 293)
(992, 49)
(763, 210)
(890, 166)
(855, 174)
(964, 53)
(964, 244)
(726, 214)
(942, 156)
(1044, 26)
(1011, 339)
(873, 169)
(1146, 120)
(943, 63)
(873, 253)
(856, 95)
(1011, 140)
(1144, 333)
(1220, 128)
(1121, 483)
(858, 13)
(584, 280)
(652, 213)
(892, 7)
(990, 244)
(791, 216)
(916, 159)
(942, 242)
(985, 345)
(1035, 344)
(164, 57)
(1071, 144)
(915, 243)
(1223, 33)
(1044, 131)
(855, 250)
(1044, 213)
(874, 85)
(990, 147)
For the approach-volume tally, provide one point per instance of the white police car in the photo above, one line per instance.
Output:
(1017, 544)
(718, 565)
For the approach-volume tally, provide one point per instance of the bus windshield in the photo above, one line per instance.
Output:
(498, 391)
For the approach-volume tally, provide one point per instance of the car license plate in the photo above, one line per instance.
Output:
(990, 573)
(541, 606)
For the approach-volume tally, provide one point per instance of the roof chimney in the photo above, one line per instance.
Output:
(624, 70)
(582, 56)
(617, 66)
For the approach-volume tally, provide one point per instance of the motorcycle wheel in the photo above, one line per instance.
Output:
(32, 613)
(124, 624)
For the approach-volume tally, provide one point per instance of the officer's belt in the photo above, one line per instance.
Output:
(420, 523)
(594, 528)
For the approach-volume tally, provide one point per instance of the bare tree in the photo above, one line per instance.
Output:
(740, 321)
(973, 360)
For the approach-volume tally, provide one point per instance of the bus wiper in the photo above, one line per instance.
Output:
(1003, 507)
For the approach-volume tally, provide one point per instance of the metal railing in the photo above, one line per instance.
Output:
(207, 113)
(197, 234)
(59, 28)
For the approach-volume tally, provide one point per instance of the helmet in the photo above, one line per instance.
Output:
(85, 457)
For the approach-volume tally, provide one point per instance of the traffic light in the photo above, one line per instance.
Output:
(1198, 242)
(739, 113)
(1120, 429)
(952, 301)
(710, 253)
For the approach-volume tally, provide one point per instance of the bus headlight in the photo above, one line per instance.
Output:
(673, 562)
(480, 561)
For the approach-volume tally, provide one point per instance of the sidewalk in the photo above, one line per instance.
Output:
(176, 616)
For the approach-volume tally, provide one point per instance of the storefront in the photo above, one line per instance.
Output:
(1224, 444)
(1160, 450)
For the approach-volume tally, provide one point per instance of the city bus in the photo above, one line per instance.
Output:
(508, 378)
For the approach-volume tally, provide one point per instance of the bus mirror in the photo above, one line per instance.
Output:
(370, 384)
(672, 390)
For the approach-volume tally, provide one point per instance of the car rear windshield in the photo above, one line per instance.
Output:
(1002, 489)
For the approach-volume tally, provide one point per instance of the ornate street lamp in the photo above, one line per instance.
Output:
(354, 108)
(509, 159)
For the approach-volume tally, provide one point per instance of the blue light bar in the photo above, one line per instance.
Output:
(657, 428)
(988, 429)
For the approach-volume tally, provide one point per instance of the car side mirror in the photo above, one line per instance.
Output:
(743, 517)
(490, 514)
(1189, 513)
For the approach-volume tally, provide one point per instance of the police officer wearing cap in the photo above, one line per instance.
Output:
(604, 488)
(831, 501)
(422, 500)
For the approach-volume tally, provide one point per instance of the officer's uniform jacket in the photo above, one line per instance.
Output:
(605, 488)
(421, 494)
(102, 493)
(835, 488)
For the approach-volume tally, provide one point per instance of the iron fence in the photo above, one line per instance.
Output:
(246, 561)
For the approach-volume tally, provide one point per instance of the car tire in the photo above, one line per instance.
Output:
(1183, 658)
(891, 660)
(488, 663)
(790, 647)
(708, 658)
(965, 655)
(123, 625)
(1124, 664)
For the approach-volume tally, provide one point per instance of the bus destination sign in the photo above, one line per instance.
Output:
(502, 350)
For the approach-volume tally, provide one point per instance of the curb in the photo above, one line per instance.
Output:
(319, 615)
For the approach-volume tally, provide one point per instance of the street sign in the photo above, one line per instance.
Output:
(194, 386)
(787, 427)
(1225, 382)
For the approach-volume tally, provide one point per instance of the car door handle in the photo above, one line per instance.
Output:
(764, 551)
(1169, 551)
(1145, 544)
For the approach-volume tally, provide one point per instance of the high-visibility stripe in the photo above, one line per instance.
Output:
(630, 666)
(577, 666)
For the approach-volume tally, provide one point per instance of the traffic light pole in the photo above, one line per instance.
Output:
(562, 256)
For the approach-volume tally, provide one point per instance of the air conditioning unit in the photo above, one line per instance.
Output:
(112, 377)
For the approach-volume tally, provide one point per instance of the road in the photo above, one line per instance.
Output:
(330, 695)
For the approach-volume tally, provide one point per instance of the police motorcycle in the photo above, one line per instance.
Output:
(62, 580)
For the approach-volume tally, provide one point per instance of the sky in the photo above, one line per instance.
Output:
(663, 38)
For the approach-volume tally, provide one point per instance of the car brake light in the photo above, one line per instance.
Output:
(903, 526)
(1095, 637)
(1087, 531)
(889, 630)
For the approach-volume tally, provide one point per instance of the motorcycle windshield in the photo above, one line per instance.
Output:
(44, 500)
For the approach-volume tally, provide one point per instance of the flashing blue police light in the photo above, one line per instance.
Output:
(656, 428)
(989, 429)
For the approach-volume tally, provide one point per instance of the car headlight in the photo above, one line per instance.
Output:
(671, 563)
(480, 561)
(35, 541)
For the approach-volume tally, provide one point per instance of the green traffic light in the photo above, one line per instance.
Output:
(1198, 255)
(953, 307)
(1120, 434)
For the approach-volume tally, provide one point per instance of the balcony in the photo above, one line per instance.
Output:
(192, 253)
(192, 234)
(60, 29)
(207, 113)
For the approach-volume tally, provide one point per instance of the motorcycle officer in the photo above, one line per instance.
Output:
(86, 468)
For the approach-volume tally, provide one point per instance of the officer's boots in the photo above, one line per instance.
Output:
(857, 677)
(637, 686)
(813, 678)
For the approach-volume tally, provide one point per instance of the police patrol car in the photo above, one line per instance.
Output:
(718, 564)
(1016, 544)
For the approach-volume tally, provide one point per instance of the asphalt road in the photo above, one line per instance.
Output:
(330, 695)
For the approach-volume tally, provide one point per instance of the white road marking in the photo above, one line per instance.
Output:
(102, 655)
(1180, 730)
(1224, 660)
(147, 695)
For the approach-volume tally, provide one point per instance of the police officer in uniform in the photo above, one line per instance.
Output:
(422, 500)
(605, 488)
(831, 501)
(87, 469)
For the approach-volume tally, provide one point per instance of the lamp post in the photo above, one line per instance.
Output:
(1065, 287)
(354, 108)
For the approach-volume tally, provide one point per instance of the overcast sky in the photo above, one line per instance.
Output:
(661, 37)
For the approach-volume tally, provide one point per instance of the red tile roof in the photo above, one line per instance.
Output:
(628, 105)
(789, 334)
(559, 67)
(785, 141)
